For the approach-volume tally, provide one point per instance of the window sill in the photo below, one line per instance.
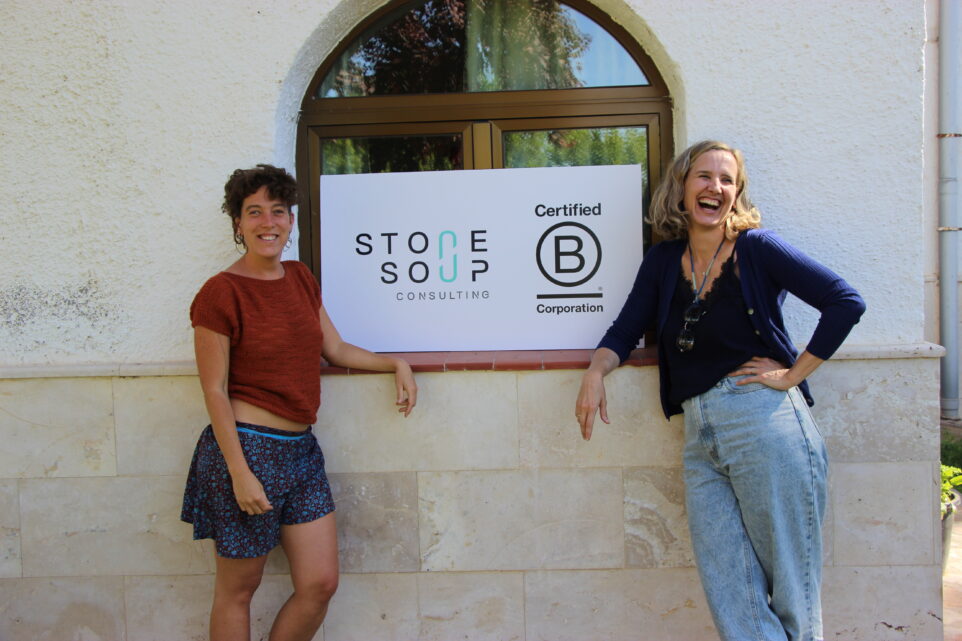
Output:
(503, 361)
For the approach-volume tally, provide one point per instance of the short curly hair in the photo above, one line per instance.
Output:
(244, 182)
(667, 215)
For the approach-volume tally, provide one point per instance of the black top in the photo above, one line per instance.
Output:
(724, 336)
(768, 269)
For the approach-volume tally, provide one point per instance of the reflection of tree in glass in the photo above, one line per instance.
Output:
(392, 153)
(522, 44)
(577, 147)
(450, 46)
(344, 156)
(422, 51)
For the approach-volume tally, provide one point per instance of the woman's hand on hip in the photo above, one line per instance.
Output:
(766, 371)
(591, 399)
(250, 494)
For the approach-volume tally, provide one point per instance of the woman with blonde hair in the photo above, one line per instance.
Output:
(755, 463)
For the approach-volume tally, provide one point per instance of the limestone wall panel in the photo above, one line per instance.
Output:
(9, 529)
(158, 422)
(116, 526)
(462, 421)
(656, 521)
(89, 608)
(885, 513)
(474, 606)
(377, 521)
(169, 607)
(516, 520)
(883, 603)
(374, 606)
(621, 605)
(57, 427)
(161, 608)
(878, 410)
(638, 433)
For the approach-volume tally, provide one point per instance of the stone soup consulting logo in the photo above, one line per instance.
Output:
(503, 259)
(412, 260)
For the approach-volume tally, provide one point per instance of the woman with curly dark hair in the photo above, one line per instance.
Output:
(755, 463)
(257, 477)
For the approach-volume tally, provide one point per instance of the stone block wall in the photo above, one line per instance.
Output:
(482, 516)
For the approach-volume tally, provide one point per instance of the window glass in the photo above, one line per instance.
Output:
(452, 46)
(580, 147)
(376, 154)
(576, 147)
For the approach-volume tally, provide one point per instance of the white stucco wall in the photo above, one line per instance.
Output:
(121, 121)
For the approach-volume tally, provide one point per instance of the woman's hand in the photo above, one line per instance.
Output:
(249, 494)
(407, 389)
(774, 374)
(591, 399)
(766, 371)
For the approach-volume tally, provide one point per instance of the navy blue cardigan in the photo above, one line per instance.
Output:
(768, 267)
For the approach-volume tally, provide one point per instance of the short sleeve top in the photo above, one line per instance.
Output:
(275, 338)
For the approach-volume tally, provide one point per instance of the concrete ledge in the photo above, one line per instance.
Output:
(878, 352)
(93, 370)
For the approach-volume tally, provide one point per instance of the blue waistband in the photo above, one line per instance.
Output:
(272, 432)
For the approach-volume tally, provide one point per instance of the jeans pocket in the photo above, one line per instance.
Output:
(731, 383)
(804, 412)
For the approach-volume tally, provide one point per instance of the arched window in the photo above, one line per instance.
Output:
(479, 84)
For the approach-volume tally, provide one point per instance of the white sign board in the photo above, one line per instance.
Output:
(502, 259)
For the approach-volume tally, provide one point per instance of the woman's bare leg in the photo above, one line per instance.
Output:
(234, 586)
(311, 549)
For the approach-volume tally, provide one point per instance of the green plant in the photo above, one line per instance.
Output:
(951, 450)
(951, 478)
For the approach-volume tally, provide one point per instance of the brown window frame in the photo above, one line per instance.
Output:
(479, 118)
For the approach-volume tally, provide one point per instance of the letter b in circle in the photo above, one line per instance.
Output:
(568, 254)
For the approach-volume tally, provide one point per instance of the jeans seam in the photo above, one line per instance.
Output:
(748, 550)
(810, 507)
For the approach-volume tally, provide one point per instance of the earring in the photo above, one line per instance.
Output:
(289, 242)
(239, 243)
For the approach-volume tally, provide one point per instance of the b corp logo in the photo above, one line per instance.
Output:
(568, 254)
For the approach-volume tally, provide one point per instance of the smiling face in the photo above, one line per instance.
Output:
(265, 224)
(710, 189)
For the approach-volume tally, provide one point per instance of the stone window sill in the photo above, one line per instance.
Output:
(443, 361)
(503, 361)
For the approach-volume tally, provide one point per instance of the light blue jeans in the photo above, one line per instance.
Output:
(755, 489)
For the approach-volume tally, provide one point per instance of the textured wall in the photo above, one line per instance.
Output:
(481, 516)
(120, 122)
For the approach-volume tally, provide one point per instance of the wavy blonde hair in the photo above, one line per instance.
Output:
(667, 214)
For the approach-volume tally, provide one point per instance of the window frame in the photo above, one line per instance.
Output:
(478, 117)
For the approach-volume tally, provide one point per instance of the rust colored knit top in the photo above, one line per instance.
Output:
(275, 338)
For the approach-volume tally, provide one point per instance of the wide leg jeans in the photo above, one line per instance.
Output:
(755, 484)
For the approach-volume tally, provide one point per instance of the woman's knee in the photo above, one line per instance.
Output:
(238, 580)
(319, 588)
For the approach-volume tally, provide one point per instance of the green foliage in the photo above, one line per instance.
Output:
(951, 479)
(375, 155)
(577, 147)
(450, 46)
(951, 451)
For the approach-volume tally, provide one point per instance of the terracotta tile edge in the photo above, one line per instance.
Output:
(501, 361)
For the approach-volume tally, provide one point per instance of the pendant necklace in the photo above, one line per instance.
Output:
(704, 276)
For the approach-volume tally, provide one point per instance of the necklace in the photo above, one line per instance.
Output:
(704, 276)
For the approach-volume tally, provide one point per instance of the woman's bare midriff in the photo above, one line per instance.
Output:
(244, 412)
